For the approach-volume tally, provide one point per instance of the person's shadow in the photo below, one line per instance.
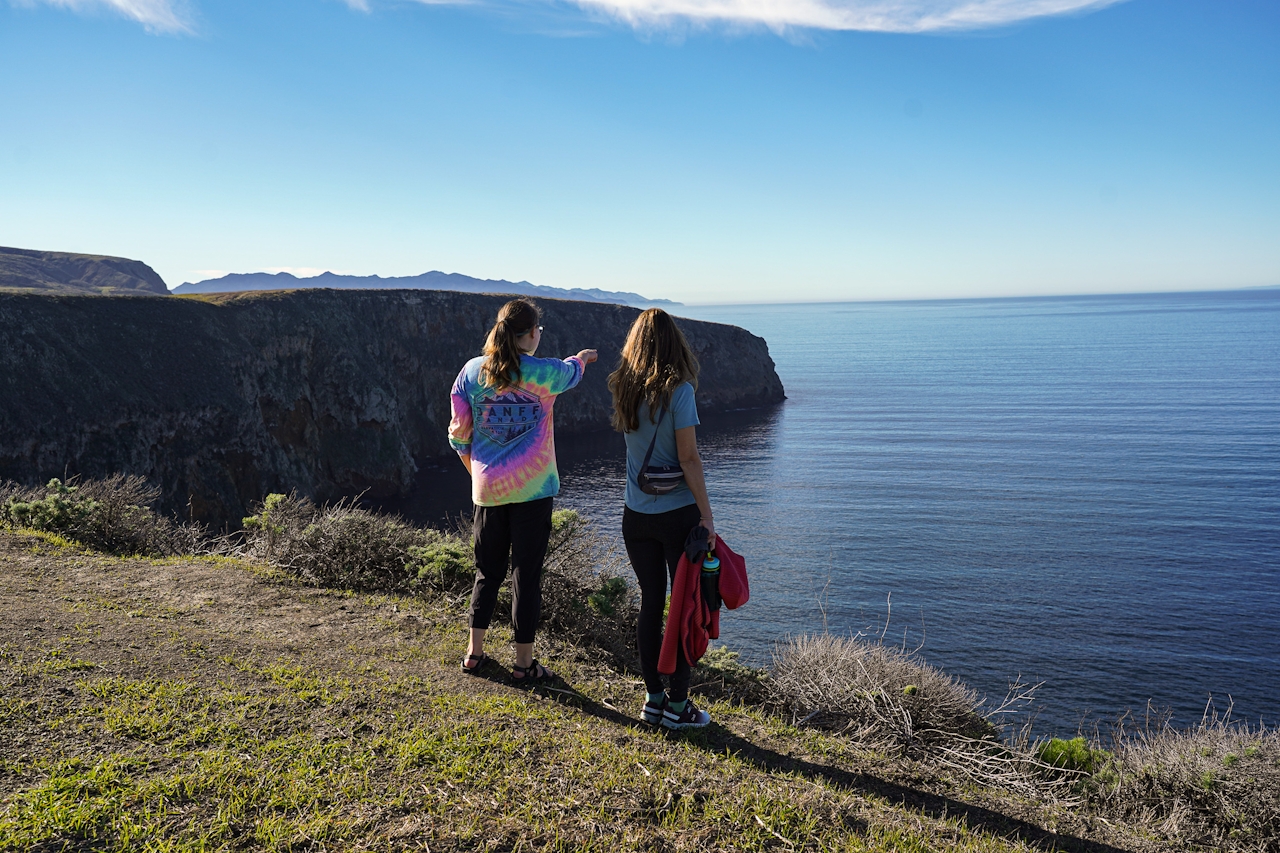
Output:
(716, 739)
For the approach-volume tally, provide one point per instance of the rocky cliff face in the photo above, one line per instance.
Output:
(221, 399)
(64, 272)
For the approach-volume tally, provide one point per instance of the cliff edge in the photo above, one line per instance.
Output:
(221, 399)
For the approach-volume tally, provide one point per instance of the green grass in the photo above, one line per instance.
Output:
(239, 762)
(137, 726)
(275, 755)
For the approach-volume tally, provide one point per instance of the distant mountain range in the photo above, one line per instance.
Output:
(104, 275)
(434, 280)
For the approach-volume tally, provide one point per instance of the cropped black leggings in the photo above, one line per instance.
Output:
(520, 531)
(654, 545)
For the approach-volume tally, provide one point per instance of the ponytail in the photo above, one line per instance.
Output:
(501, 368)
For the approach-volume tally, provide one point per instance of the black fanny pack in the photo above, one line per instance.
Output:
(658, 479)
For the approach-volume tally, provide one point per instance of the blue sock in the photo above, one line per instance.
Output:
(677, 706)
(655, 699)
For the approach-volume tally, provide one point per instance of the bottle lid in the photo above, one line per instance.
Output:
(711, 563)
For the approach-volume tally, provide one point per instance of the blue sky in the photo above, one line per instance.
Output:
(698, 150)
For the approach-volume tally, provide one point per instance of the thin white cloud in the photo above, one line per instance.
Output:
(158, 16)
(892, 16)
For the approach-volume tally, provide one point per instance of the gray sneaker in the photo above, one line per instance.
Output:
(690, 718)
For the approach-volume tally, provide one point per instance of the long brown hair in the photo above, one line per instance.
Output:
(655, 359)
(501, 368)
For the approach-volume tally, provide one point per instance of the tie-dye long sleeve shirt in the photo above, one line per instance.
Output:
(509, 434)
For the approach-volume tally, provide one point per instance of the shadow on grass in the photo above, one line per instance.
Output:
(716, 739)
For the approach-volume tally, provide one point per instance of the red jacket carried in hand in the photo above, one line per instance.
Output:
(690, 622)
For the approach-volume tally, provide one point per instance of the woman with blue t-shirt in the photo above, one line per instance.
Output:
(654, 408)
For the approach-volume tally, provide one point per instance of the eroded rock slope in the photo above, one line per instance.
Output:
(223, 398)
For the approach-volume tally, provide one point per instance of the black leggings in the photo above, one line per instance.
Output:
(654, 544)
(520, 530)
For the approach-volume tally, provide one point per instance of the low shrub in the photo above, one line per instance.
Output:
(354, 549)
(1217, 785)
(889, 700)
(883, 695)
(339, 545)
(585, 598)
(722, 674)
(114, 515)
(585, 601)
(273, 531)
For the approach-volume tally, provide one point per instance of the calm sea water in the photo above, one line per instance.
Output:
(1082, 491)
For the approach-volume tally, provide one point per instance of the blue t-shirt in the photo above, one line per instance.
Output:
(682, 413)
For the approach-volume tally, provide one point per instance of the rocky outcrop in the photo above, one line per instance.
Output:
(63, 272)
(221, 399)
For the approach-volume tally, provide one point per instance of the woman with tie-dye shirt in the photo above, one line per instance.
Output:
(502, 431)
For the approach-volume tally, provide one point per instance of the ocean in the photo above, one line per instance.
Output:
(1080, 491)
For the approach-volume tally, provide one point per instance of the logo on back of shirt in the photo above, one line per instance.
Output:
(508, 416)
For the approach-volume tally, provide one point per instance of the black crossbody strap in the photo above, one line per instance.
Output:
(644, 466)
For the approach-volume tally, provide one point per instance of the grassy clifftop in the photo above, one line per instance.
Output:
(193, 703)
(228, 702)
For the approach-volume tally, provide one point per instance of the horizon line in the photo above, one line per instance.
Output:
(1250, 287)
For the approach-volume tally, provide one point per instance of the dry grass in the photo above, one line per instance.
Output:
(877, 694)
(886, 699)
(1216, 785)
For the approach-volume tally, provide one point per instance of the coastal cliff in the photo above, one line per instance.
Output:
(220, 399)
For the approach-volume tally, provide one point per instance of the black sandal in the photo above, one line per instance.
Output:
(534, 673)
(480, 659)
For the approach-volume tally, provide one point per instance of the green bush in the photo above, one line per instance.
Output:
(444, 563)
(113, 514)
(1074, 755)
(610, 597)
(60, 511)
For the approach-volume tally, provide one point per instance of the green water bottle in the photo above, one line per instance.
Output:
(711, 581)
